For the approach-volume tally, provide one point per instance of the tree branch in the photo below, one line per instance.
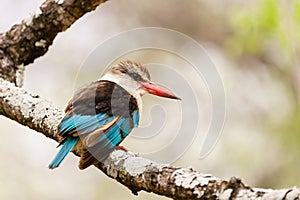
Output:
(25, 42)
(134, 172)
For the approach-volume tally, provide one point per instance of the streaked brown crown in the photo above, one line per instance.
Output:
(135, 70)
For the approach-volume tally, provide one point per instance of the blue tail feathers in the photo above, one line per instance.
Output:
(67, 146)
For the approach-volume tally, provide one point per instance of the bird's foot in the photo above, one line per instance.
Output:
(122, 148)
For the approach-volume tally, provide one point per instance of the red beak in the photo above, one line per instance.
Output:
(158, 90)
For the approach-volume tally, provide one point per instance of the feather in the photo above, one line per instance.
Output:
(68, 145)
(91, 118)
(100, 143)
(135, 118)
(83, 123)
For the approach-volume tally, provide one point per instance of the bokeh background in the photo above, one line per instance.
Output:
(255, 47)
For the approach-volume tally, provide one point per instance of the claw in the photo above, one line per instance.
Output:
(122, 148)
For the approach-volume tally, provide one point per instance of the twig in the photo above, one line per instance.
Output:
(26, 41)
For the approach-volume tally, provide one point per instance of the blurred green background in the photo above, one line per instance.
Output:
(255, 46)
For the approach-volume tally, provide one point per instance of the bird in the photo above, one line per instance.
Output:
(101, 114)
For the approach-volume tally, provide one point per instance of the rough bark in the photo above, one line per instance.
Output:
(134, 172)
(26, 41)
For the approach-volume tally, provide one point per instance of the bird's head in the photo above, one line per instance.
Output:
(135, 78)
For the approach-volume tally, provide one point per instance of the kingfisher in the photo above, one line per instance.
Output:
(101, 114)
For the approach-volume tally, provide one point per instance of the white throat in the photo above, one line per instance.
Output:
(132, 87)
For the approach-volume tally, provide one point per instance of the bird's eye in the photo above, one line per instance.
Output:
(123, 71)
(135, 75)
